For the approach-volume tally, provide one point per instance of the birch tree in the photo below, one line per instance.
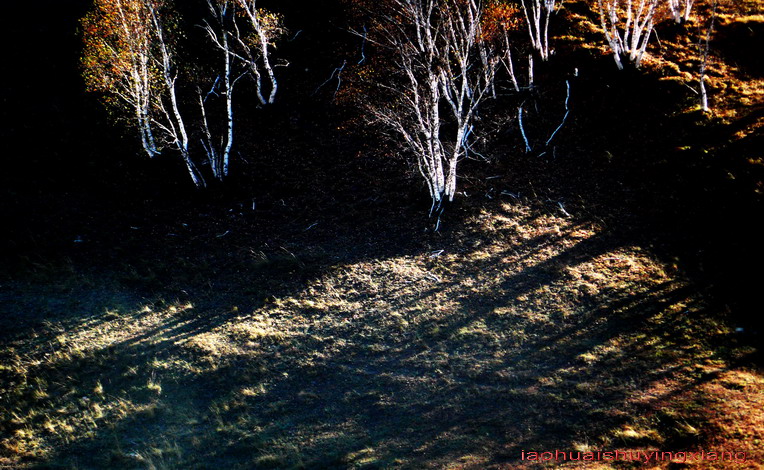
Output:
(628, 25)
(441, 80)
(498, 20)
(119, 59)
(244, 51)
(680, 10)
(219, 29)
(267, 28)
(131, 57)
(537, 15)
(705, 46)
(168, 117)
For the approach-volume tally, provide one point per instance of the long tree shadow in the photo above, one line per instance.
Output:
(635, 157)
(405, 360)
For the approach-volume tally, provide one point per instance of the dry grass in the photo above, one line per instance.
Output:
(523, 331)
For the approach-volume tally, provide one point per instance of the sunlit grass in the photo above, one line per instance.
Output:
(451, 353)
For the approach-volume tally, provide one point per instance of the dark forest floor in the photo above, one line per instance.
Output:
(600, 296)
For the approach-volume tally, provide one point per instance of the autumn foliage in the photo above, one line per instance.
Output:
(499, 17)
(131, 56)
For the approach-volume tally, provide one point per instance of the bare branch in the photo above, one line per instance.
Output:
(441, 67)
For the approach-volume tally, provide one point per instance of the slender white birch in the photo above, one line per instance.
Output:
(537, 15)
(245, 51)
(508, 62)
(117, 59)
(128, 55)
(680, 10)
(705, 47)
(223, 19)
(441, 67)
(267, 28)
(171, 121)
(131, 57)
(628, 25)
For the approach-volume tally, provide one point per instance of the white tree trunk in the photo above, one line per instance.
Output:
(262, 54)
(628, 39)
(175, 125)
(443, 67)
(537, 17)
(704, 62)
(267, 65)
(229, 111)
(680, 10)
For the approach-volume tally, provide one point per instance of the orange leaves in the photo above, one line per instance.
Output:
(272, 24)
(498, 18)
(117, 39)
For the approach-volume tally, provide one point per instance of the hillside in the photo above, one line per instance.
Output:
(602, 296)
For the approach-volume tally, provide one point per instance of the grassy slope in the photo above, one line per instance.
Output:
(219, 336)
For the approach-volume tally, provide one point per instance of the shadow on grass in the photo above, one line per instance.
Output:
(547, 334)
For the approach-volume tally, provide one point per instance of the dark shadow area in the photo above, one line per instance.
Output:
(530, 345)
(633, 158)
(737, 36)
